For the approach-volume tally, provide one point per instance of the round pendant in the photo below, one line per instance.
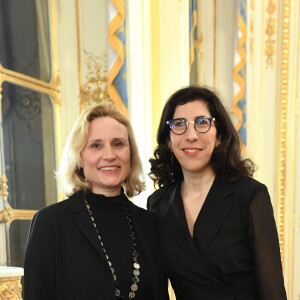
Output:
(131, 295)
(134, 287)
(136, 272)
(117, 292)
(136, 265)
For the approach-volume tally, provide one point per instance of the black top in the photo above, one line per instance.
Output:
(234, 252)
(65, 261)
(110, 218)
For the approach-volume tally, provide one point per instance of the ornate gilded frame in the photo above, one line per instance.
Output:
(52, 89)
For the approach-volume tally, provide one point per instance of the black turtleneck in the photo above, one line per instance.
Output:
(110, 218)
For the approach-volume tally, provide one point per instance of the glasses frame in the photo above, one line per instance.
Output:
(210, 119)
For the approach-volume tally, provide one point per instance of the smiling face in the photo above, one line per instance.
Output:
(193, 150)
(105, 159)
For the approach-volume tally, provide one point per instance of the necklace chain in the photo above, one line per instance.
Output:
(136, 265)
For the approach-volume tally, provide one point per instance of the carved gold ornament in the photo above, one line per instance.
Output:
(94, 90)
(6, 215)
(270, 31)
(4, 187)
(10, 288)
(9, 214)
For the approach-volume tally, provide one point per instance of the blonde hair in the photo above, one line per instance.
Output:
(70, 174)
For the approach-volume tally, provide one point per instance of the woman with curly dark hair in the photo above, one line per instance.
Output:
(219, 234)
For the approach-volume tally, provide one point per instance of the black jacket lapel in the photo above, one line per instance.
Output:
(83, 221)
(173, 218)
(213, 213)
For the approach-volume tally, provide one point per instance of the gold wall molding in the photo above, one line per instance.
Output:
(78, 22)
(10, 288)
(9, 214)
(156, 72)
(251, 28)
(284, 80)
(32, 83)
(270, 31)
(215, 47)
(198, 45)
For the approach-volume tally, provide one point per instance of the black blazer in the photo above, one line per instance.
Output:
(234, 252)
(64, 260)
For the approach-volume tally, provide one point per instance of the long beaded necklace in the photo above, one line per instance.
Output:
(136, 265)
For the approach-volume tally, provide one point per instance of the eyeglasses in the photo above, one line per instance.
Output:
(201, 124)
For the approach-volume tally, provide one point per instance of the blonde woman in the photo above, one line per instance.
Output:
(96, 244)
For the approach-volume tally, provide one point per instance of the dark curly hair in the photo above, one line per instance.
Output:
(226, 160)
